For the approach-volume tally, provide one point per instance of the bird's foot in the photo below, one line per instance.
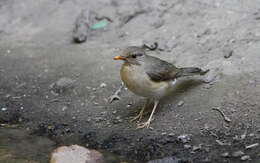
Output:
(144, 125)
(116, 96)
(139, 116)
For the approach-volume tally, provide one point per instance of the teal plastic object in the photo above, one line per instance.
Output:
(99, 25)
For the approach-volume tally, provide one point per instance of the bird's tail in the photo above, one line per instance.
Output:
(189, 71)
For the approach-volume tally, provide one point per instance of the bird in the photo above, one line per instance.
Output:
(150, 77)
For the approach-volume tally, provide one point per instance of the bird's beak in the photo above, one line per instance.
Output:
(119, 57)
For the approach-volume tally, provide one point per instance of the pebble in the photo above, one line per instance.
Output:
(226, 154)
(4, 109)
(103, 85)
(62, 84)
(245, 158)
(114, 112)
(77, 154)
(187, 146)
(171, 134)
(229, 54)
(184, 138)
(251, 135)
(64, 108)
(196, 148)
(180, 103)
(238, 153)
(163, 133)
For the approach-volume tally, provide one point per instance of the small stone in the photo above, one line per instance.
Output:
(245, 158)
(171, 134)
(64, 108)
(99, 119)
(229, 54)
(238, 153)
(184, 138)
(158, 23)
(4, 109)
(163, 133)
(243, 136)
(62, 84)
(103, 85)
(77, 154)
(226, 154)
(196, 148)
(180, 103)
(114, 112)
(187, 146)
(251, 135)
(252, 146)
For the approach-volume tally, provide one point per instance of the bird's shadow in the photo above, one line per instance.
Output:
(182, 87)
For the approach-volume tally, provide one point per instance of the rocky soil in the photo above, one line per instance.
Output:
(57, 88)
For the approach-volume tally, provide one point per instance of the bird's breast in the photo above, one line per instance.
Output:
(137, 81)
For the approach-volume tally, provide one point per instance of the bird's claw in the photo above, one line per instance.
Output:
(143, 125)
(136, 117)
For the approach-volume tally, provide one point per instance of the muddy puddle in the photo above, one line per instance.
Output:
(18, 145)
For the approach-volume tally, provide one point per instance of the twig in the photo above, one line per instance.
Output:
(115, 96)
(227, 119)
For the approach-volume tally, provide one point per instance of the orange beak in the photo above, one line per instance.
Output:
(119, 58)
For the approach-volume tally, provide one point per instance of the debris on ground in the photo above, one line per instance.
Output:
(115, 96)
(3, 109)
(222, 143)
(166, 160)
(252, 146)
(185, 138)
(81, 29)
(62, 85)
(180, 103)
(245, 158)
(99, 25)
(238, 154)
(196, 148)
(228, 54)
(226, 118)
(211, 76)
(77, 154)
(126, 19)
(226, 154)
(103, 85)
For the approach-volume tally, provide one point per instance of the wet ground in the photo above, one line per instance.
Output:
(36, 51)
(19, 145)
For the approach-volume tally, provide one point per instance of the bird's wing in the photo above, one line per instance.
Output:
(159, 70)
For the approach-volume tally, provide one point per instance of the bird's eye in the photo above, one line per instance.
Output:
(134, 56)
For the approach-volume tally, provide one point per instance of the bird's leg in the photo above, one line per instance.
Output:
(140, 115)
(147, 123)
(116, 96)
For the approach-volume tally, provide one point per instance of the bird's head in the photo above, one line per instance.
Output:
(132, 55)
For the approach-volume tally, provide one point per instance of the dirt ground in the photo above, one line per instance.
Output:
(36, 50)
